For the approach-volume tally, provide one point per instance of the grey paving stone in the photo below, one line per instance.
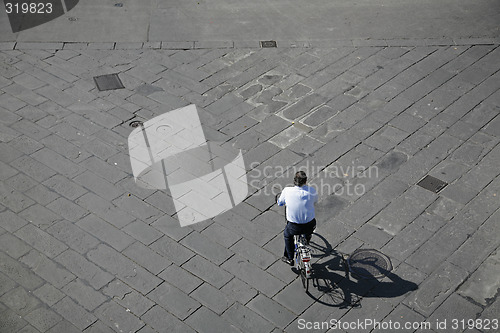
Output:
(171, 227)
(48, 294)
(203, 269)
(137, 208)
(105, 210)
(402, 211)
(254, 253)
(304, 106)
(97, 185)
(13, 199)
(174, 300)
(19, 273)
(260, 235)
(28, 329)
(206, 248)
(455, 308)
(122, 267)
(172, 250)
(146, 257)
(159, 199)
(372, 236)
(11, 103)
(287, 137)
(435, 289)
(11, 321)
(403, 316)
(20, 301)
(371, 308)
(481, 287)
(84, 269)
(271, 310)
(57, 162)
(65, 187)
(253, 275)
(459, 192)
(41, 240)
(291, 299)
(142, 232)
(6, 284)
(448, 170)
(10, 221)
(130, 299)
(212, 298)
(221, 235)
(82, 125)
(446, 208)
(407, 241)
(8, 117)
(362, 210)
(436, 249)
(105, 232)
(84, 295)
(114, 315)
(99, 327)
(67, 209)
(402, 283)
(13, 246)
(43, 319)
(64, 326)
(246, 320)
(47, 269)
(161, 320)
(41, 194)
(260, 153)
(74, 237)
(468, 154)
(203, 315)
(181, 278)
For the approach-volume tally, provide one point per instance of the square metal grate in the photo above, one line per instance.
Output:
(268, 43)
(108, 82)
(432, 184)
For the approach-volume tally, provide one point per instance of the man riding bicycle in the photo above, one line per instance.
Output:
(299, 201)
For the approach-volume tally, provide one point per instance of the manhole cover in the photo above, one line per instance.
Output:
(432, 184)
(369, 263)
(268, 43)
(135, 123)
(108, 82)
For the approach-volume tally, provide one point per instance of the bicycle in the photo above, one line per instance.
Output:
(302, 256)
(302, 259)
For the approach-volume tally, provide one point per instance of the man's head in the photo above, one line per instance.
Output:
(300, 178)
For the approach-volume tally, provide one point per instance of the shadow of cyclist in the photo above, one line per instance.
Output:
(333, 285)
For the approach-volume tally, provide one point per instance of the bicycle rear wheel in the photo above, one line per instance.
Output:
(303, 277)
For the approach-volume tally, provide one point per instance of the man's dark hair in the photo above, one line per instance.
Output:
(300, 178)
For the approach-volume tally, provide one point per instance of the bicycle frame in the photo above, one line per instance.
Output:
(302, 255)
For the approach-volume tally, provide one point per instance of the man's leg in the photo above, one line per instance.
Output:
(310, 229)
(288, 233)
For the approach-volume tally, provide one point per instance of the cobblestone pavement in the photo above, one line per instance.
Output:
(83, 249)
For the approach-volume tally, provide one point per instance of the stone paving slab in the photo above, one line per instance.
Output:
(84, 249)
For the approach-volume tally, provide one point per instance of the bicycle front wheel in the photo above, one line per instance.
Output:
(303, 277)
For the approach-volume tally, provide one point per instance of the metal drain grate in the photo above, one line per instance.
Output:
(135, 123)
(432, 184)
(268, 43)
(108, 82)
(369, 263)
